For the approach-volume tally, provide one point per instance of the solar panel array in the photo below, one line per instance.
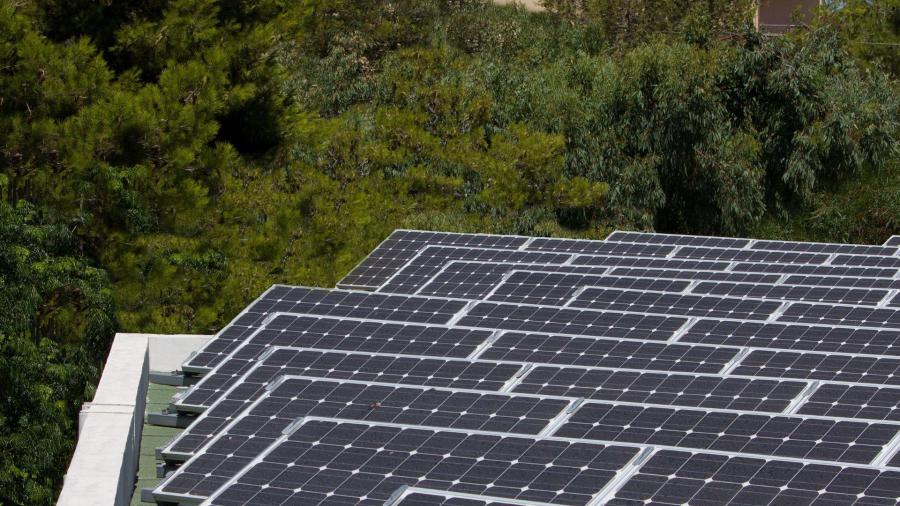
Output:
(473, 369)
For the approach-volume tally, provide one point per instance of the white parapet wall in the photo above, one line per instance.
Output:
(102, 470)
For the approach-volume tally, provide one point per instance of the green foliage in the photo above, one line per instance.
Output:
(55, 330)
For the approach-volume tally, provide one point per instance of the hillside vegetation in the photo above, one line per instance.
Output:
(163, 162)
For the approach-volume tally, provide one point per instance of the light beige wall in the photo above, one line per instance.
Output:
(532, 5)
(776, 15)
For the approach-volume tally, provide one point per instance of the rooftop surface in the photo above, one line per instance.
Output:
(473, 369)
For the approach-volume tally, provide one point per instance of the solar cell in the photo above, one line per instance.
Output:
(402, 245)
(816, 270)
(794, 337)
(704, 391)
(751, 433)
(675, 304)
(758, 244)
(430, 260)
(474, 280)
(555, 289)
(291, 397)
(854, 369)
(730, 276)
(345, 334)
(323, 302)
(598, 247)
(851, 282)
(743, 255)
(799, 293)
(853, 401)
(678, 240)
(564, 350)
(867, 261)
(326, 364)
(582, 322)
(818, 247)
(841, 315)
(651, 262)
(676, 478)
(893, 240)
(330, 460)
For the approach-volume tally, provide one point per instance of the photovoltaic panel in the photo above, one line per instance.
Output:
(729, 242)
(893, 240)
(676, 478)
(854, 369)
(651, 262)
(817, 270)
(564, 350)
(402, 245)
(346, 334)
(474, 280)
(853, 401)
(431, 259)
(323, 302)
(751, 433)
(677, 240)
(867, 261)
(555, 289)
(662, 388)
(344, 366)
(818, 247)
(580, 322)
(727, 349)
(365, 463)
(794, 337)
(675, 304)
(736, 277)
(850, 282)
(841, 315)
(263, 421)
(742, 255)
(786, 292)
(598, 247)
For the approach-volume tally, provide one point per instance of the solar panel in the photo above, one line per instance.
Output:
(598, 247)
(580, 322)
(675, 304)
(786, 292)
(877, 283)
(323, 302)
(824, 339)
(675, 478)
(431, 259)
(893, 240)
(816, 270)
(292, 397)
(867, 261)
(402, 245)
(728, 242)
(591, 352)
(643, 368)
(678, 240)
(742, 255)
(853, 401)
(555, 289)
(702, 391)
(841, 315)
(750, 433)
(855, 369)
(363, 463)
